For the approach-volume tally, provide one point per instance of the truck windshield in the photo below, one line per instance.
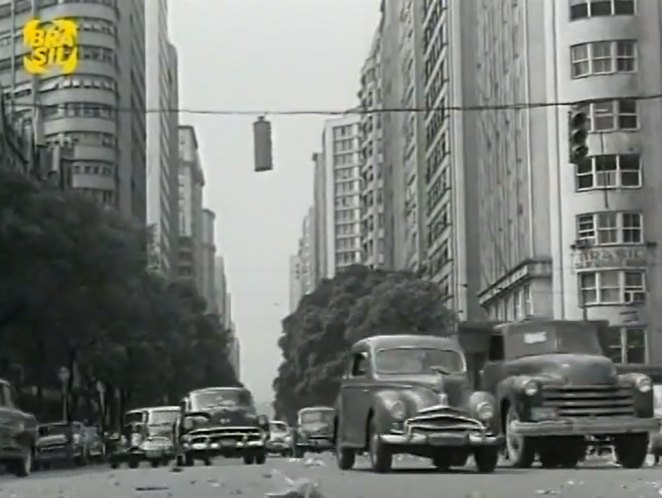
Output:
(134, 417)
(418, 361)
(278, 427)
(163, 417)
(562, 339)
(55, 429)
(219, 398)
(312, 417)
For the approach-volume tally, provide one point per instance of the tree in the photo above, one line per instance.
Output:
(359, 302)
(75, 291)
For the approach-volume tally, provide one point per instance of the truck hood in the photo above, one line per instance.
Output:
(567, 369)
(231, 417)
(317, 428)
(456, 387)
(54, 440)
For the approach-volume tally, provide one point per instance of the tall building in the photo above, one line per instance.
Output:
(221, 284)
(372, 164)
(450, 163)
(341, 196)
(207, 272)
(320, 216)
(162, 157)
(191, 182)
(572, 241)
(235, 353)
(295, 283)
(79, 110)
(303, 265)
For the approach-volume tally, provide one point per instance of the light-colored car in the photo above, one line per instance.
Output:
(280, 438)
(314, 431)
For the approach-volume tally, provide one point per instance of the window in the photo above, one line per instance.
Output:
(359, 365)
(612, 287)
(609, 172)
(604, 57)
(580, 9)
(610, 228)
(627, 345)
(612, 115)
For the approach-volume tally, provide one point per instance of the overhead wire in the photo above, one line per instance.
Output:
(358, 110)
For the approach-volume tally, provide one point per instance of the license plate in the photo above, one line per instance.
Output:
(540, 413)
(443, 440)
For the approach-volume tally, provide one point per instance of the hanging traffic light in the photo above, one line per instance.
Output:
(578, 130)
(262, 145)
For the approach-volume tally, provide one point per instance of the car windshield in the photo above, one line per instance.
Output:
(55, 429)
(418, 361)
(278, 427)
(224, 397)
(318, 416)
(548, 339)
(134, 417)
(163, 417)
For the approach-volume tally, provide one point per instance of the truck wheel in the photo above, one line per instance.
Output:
(486, 459)
(631, 450)
(23, 467)
(249, 459)
(345, 457)
(261, 458)
(521, 452)
(381, 458)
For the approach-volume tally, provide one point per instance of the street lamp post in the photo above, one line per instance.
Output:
(64, 375)
(101, 389)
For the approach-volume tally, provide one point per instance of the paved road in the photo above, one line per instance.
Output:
(411, 479)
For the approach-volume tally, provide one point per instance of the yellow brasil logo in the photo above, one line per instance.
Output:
(54, 45)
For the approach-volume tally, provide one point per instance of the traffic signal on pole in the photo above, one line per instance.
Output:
(262, 145)
(578, 126)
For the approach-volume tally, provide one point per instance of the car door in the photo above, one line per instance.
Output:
(493, 370)
(356, 399)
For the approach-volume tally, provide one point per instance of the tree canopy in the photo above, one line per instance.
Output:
(358, 303)
(75, 292)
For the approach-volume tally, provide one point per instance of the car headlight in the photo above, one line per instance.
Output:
(397, 409)
(644, 384)
(530, 388)
(485, 411)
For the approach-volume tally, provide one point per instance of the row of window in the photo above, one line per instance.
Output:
(612, 287)
(611, 228)
(85, 138)
(603, 57)
(609, 171)
(80, 110)
(581, 9)
(612, 115)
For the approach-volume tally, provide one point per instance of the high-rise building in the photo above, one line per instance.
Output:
(320, 261)
(451, 172)
(303, 265)
(234, 353)
(191, 182)
(341, 194)
(372, 164)
(162, 157)
(221, 284)
(80, 110)
(573, 241)
(295, 283)
(207, 272)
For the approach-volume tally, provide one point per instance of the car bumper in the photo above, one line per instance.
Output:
(239, 447)
(126, 455)
(585, 427)
(56, 455)
(442, 439)
(277, 447)
(316, 445)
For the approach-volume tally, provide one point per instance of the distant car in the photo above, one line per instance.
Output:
(280, 438)
(221, 421)
(18, 436)
(60, 442)
(411, 394)
(314, 432)
(147, 436)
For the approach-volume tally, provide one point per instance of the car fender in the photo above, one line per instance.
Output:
(478, 397)
(413, 400)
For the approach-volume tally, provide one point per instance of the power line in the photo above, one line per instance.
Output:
(350, 111)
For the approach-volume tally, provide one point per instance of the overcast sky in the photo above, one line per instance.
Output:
(277, 55)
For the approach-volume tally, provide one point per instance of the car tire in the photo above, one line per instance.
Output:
(23, 467)
(189, 461)
(442, 462)
(299, 453)
(114, 465)
(155, 464)
(261, 458)
(381, 458)
(487, 459)
(631, 450)
(521, 451)
(134, 464)
(249, 459)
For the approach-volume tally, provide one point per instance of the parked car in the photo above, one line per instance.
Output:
(314, 431)
(60, 443)
(147, 436)
(19, 434)
(411, 394)
(221, 421)
(557, 393)
(280, 438)
(95, 447)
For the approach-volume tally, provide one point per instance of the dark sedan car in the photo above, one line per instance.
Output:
(411, 394)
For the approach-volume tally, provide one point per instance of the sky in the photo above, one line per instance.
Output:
(264, 55)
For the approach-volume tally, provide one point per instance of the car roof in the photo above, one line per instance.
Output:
(169, 408)
(213, 389)
(316, 409)
(408, 340)
(532, 324)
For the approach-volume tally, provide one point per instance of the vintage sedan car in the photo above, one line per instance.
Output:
(280, 438)
(60, 442)
(411, 394)
(314, 431)
(147, 436)
(557, 394)
(221, 421)
(18, 436)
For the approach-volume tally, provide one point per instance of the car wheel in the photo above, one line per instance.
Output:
(381, 458)
(299, 453)
(114, 465)
(133, 464)
(189, 461)
(249, 459)
(631, 450)
(23, 467)
(486, 459)
(261, 458)
(441, 462)
(155, 463)
(521, 452)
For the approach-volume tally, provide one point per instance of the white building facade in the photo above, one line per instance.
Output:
(576, 241)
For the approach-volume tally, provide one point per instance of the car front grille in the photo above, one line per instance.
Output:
(589, 401)
(236, 434)
(443, 419)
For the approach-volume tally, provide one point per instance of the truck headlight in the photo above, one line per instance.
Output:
(485, 411)
(398, 410)
(530, 388)
(644, 384)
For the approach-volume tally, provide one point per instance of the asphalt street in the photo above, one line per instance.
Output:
(411, 479)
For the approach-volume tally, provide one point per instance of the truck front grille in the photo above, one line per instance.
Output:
(589, 401)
